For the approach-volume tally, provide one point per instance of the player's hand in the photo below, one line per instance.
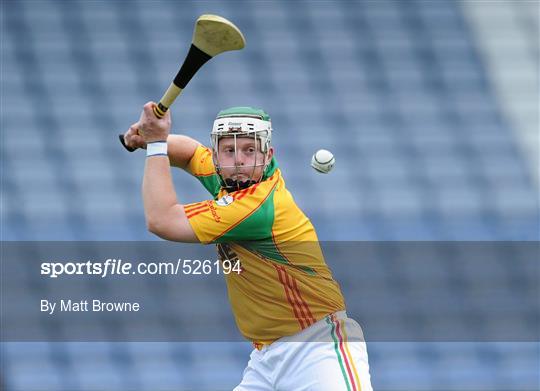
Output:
(152, 128)
(133, 139)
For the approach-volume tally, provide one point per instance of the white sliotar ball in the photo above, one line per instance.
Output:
(323, 161)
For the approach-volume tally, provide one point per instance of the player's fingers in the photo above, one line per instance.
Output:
(128, 140)
(137, 141)
(148, 109)
(132, 138)
(133, 130)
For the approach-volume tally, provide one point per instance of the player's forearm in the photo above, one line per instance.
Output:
(180, 149)
(159, 195)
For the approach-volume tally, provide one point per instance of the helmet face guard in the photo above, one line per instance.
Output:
(238, 123)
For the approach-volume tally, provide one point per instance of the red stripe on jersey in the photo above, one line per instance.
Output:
(253, 188)
(201, 175)
(311, 319)
(296, 297)
(303, 305)
(289, 297)
(195, 213)
(240, 194)
(191, 208)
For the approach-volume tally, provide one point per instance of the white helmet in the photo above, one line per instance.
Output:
(239, 122)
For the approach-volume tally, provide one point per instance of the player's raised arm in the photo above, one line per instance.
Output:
(165, 217)
(180, 148)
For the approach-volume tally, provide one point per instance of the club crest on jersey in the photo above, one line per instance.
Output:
(225, 200)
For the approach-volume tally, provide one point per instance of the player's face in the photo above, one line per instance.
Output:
(246, 163)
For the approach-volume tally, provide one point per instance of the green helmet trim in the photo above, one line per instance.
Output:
(244, 111)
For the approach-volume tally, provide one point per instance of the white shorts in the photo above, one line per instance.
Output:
(302, 362)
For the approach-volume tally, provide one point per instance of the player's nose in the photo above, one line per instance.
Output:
(241, 159)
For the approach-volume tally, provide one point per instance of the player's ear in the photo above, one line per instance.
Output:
(270, 153)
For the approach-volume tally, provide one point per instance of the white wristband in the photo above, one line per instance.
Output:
(157, 148)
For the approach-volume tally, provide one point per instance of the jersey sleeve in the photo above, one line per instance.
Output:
(244, 215)
(201, 166)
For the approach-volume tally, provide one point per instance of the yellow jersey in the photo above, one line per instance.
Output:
(284, 284)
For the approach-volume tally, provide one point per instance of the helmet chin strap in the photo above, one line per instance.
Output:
(233, 185)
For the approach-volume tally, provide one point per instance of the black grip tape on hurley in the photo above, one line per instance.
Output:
(195, 59)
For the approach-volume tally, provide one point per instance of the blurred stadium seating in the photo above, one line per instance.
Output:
(418, 106)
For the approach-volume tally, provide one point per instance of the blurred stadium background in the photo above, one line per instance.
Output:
(430, 107)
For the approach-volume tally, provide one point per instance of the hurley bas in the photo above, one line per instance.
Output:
(88, 306)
